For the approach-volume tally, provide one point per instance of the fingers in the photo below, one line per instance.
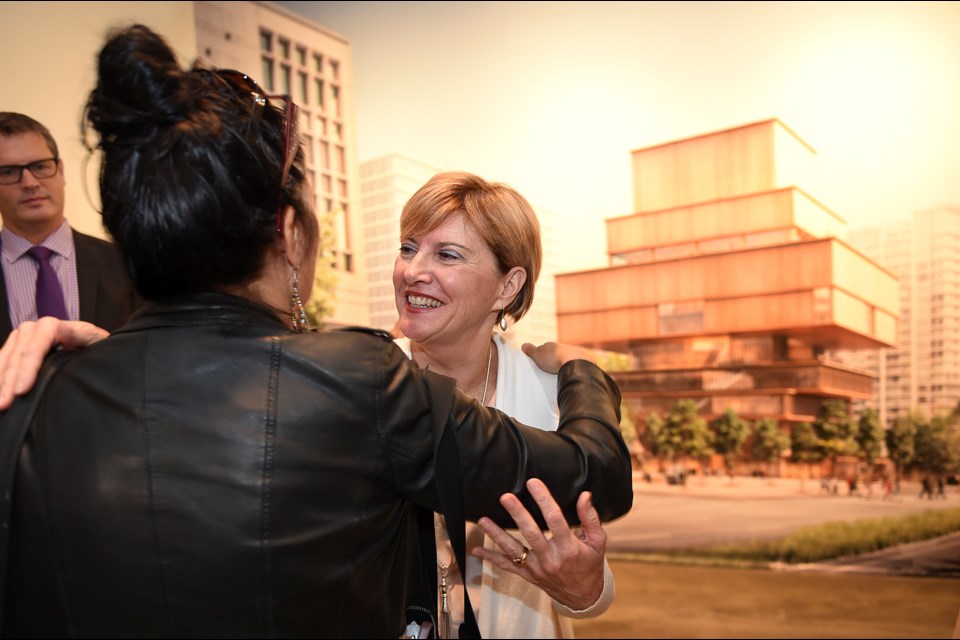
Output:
(34, 343)
(552, 514)
(547, 551)
(506, 541)
(511, 546)
(550, 356)
(22, 357)
(23, 353)
(77, 334)
(591, 529)
(532, 537)
(568, 352)
(9, 358)
(570, 569)
(545, 356)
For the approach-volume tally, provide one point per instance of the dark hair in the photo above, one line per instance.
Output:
(12, 124)
(191, 168)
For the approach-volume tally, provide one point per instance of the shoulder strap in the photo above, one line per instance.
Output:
(422, 595)
(450, 487)
(449, 474)
(14, 424)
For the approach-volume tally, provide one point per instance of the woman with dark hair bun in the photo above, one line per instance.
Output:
(215, 467)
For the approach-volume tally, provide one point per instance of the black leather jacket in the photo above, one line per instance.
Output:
(204, 472)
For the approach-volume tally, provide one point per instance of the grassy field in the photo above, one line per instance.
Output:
(678, 601)
(714, 592)
(833, 539)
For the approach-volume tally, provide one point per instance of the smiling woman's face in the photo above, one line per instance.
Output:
(446, 284)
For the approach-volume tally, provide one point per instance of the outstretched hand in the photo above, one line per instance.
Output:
(22, 354)
(550, 356)
(568, 567)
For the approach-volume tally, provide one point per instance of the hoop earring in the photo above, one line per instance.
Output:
(299, 321)
(503, 320)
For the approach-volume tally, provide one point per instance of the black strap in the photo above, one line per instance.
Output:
(14, 424)
(422, 594)
(423, 582)
(449, 473)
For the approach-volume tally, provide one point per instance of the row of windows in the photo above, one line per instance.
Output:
(305, 61)
(383, 183)
(382, 290)
(284, 50)
(312, 79)
(383, 244)
(389, 229)
(384, 307)
(381, 262)
(339, 154)
(306, 92)
(375, 199)
(389, 213)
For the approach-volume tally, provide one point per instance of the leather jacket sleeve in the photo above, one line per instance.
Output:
(499, 454)
(586, 453)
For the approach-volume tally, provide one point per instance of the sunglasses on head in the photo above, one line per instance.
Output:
(244, 84)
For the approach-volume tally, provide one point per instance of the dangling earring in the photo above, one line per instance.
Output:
(299, 321)
(503, 320)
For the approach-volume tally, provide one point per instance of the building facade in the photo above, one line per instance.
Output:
(730, 285)
(387, 183)
(923, 373)
(293, 56)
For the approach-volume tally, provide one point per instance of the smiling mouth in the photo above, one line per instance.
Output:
(420, 302)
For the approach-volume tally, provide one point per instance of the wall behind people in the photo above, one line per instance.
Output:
(47, 62)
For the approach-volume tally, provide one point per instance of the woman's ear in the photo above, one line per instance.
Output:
(512, 284)
(292, 238)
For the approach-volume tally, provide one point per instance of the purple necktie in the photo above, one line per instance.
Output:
(49, 294)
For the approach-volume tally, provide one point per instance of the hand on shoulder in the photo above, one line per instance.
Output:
(550, 356)
(22, 354)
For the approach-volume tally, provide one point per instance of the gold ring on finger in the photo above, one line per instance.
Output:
(520, 559)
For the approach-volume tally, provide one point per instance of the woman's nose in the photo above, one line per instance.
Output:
(416, 269)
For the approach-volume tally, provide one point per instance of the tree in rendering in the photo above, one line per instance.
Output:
(323, 297)
(900, 444)
(730, 431)
(687, 433)
(805, 446)
(836, 431)
(769, 441)
(869, 437)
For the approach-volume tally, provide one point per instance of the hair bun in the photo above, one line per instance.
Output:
(141, 87)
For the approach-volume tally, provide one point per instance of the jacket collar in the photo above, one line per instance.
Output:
(201, 309)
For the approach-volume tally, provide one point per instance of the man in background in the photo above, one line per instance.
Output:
(82, 277)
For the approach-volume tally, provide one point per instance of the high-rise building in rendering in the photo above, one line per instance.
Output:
(729, 284)
(387, 183)
(288, 54)
(923, 373)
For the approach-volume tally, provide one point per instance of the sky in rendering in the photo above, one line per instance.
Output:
(551, 97)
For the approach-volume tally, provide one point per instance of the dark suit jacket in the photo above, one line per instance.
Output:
(107, 297)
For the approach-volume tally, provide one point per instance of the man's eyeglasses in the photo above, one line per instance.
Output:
(13, 173)
(291, 115)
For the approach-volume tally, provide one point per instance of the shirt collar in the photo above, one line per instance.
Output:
(60, 241)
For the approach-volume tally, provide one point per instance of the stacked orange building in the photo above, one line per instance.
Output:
(730, 283)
